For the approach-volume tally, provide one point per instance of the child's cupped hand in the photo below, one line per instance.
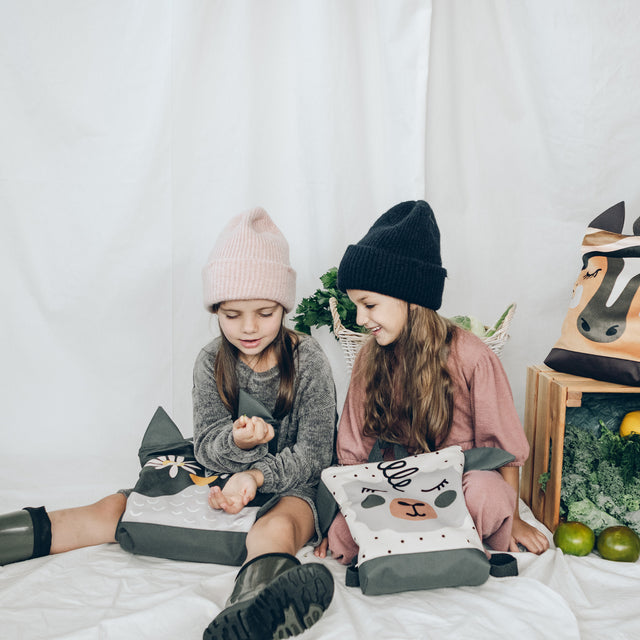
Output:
(237, 493)
(250, 432)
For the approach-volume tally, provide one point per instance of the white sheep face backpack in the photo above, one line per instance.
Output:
(410, 520)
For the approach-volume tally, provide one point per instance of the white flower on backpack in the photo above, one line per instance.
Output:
(174, 463)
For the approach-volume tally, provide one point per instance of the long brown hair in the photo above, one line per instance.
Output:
(409, 392)
(284, 346)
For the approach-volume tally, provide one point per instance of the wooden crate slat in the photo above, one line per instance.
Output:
(526, 479)
(549, 393)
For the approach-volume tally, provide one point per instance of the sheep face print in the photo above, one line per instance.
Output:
(412, 505)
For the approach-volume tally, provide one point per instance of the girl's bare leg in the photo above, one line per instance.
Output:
(283, 529)
(32, 532)
(86, 526)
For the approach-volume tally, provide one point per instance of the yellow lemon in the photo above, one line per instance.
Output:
(630, 424)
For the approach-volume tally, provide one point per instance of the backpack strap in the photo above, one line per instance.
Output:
(486, 458)
(377, 452)
(326, 506)
(503, 565)
(352, 576)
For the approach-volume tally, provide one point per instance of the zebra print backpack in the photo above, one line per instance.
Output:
(600, 336)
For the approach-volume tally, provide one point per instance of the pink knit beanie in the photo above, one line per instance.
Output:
(250, 261)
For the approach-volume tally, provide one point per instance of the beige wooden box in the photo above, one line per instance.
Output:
(548, 395)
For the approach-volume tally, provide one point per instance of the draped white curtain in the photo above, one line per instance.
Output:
(131, 131)
(533, 129)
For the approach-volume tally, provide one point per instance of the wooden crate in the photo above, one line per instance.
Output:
(548, 394)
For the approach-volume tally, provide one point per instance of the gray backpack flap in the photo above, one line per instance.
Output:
(167, 513)
(410, 520)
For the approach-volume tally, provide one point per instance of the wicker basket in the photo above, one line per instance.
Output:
(351, 341)
(497, 341)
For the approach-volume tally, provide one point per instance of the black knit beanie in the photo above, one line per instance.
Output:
(399, 257)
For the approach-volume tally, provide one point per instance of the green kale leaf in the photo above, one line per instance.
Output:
(314, 310)
(601, 475)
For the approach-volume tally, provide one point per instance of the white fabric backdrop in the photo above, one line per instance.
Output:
(131, 132)
(533, 129)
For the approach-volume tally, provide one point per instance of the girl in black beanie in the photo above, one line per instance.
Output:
(423, 383)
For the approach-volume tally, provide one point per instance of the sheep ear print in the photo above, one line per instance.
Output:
(600, 336)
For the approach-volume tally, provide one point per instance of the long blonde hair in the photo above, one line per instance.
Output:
(409, 391)
(284, 346)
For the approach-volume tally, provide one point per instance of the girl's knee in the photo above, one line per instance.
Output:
(286, 521)
(490, 489)
(277, 526)
(491, 502)
(110, 509)
(486, 484)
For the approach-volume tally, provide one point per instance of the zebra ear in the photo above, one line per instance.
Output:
(611, 220)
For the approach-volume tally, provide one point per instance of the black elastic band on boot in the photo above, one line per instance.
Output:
(41, 531)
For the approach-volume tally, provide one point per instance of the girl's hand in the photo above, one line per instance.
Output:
(321, 550)
(237, 493)
(528, 536)
(250, 432)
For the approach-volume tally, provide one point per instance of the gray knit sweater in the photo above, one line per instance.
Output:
(305, 436)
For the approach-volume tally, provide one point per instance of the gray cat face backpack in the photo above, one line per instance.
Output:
(167, 514)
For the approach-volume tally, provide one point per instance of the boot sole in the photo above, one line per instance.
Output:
(290, 604)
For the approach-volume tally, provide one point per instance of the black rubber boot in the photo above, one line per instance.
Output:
(274, 597)
(24, 534)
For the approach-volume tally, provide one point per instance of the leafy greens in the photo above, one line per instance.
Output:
(600, 478)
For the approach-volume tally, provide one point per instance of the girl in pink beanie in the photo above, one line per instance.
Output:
(249, 284)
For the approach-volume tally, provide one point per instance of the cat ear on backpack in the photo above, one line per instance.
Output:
(162, 436)
(600, 336)
(167, 513)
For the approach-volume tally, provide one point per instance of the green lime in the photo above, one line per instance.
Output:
(619, 543)
(574, 538)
